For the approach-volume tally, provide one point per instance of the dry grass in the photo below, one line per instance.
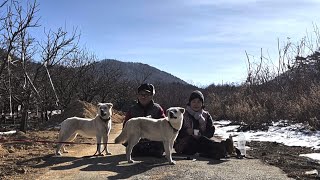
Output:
(259, 105)
(81, 109)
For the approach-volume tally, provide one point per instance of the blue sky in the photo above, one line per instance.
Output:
(199, 41)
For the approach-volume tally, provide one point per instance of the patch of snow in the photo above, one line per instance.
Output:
(314, 156)
(8, 132)
(280, 132)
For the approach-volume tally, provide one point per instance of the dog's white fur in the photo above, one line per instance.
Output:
(165, 130)
(98, 127)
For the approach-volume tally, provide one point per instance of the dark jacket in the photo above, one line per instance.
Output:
(153, 110)
(189, 124)
(146, 147)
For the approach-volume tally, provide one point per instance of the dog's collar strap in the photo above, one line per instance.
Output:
(174, 129)
(105, 120)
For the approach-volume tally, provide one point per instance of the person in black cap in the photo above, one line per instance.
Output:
(197, 129)
(146, 107)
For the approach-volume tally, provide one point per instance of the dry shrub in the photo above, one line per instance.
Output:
(291, 109)
(238, 106)
(266, 105)
(3, 151)
(117, 116)
(215, 106)
(302, 106)
(246, 112)
(82, 109)
(77, 108)
(315, 100)
(239, 111)
(309, 105)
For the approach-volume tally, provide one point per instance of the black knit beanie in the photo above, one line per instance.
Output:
(196, 94)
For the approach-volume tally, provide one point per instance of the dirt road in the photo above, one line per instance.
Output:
(75, 166)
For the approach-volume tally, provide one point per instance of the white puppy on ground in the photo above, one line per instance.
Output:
(165, 130)
(98, 127)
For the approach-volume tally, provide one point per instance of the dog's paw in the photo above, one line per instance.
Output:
(58, 154)
(100, 154)
(130, 161)
(172, 162)
(108, 153)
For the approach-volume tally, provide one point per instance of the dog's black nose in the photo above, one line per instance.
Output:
(171, 114)
(103, 113)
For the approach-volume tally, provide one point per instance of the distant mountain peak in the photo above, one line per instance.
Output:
(139, 72)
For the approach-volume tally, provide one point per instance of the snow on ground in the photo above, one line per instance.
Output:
(314, 156)
(280, 132)
(8, 132)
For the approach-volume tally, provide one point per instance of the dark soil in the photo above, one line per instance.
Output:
(286, 158)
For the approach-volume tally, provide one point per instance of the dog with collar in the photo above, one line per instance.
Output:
(98, 127)
(165, 130)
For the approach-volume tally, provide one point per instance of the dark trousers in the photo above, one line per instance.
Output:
(148, 148)
(205, 147)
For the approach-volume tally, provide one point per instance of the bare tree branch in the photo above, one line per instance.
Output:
(14, 23)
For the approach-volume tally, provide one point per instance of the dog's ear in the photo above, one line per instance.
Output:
(99, 104)
(182, 110)
(110, 105)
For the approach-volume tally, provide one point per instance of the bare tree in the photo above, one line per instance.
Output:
(23, 80)
(142, 76)
(55, 49)
(111, 79)
(15, 23)
(14, 42)
(69, 75)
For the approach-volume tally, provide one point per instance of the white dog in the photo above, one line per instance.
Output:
(98, 127)
(165, 130)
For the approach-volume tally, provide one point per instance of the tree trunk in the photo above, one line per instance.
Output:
(24, 116)
(24, 112)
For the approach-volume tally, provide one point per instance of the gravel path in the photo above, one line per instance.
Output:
(74, 166)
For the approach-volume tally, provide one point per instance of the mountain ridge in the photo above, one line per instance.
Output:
(139, 72)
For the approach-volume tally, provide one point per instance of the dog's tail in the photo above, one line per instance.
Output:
(122, 137)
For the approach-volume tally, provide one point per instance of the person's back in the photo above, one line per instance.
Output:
(146, 107)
